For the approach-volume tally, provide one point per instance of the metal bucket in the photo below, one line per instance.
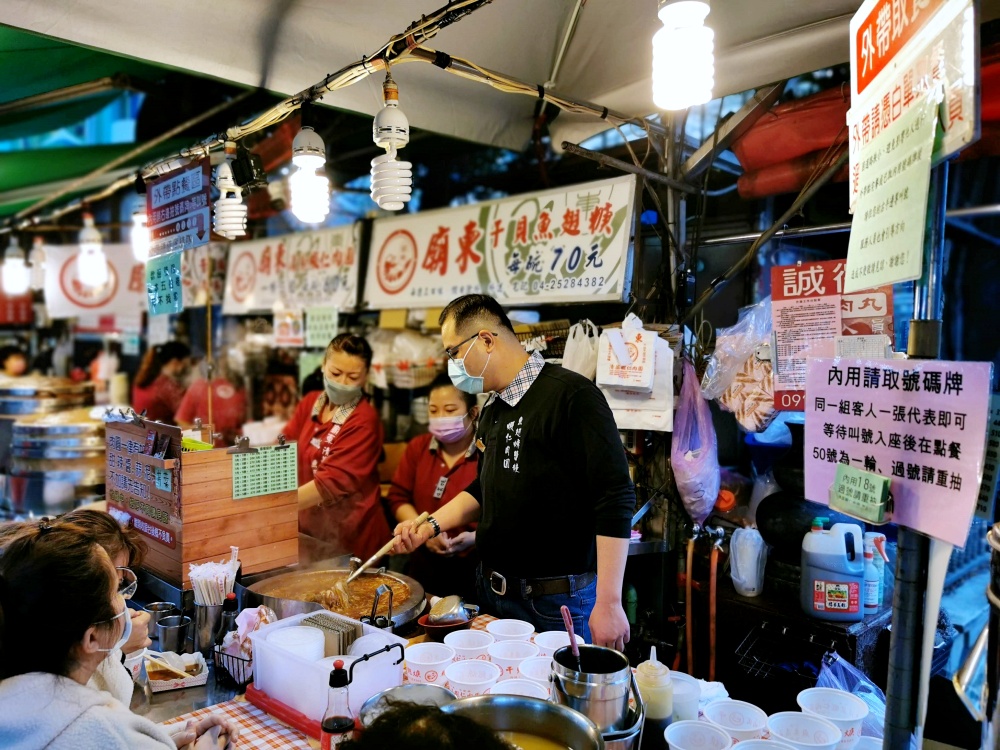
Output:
(599, 690)
(517, 713)
(630, 737)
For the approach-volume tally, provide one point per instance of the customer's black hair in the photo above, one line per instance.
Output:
(443, 381)
(475, 310)
(407, 726)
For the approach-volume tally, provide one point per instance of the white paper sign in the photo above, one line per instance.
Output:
(564, 245)
(66, 297)
(305, 269)
(887, 232)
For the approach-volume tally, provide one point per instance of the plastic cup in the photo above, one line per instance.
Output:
(741, 720)
(764, 745)
(469, 644)
(687, 694)
(510, 630)
(803, 731)
(869, 743)
(509, 654)
(426, 662)
(843, 710)
(696, 735)
(471, 677)
(552, 640)
(519, 686)
(537, 669)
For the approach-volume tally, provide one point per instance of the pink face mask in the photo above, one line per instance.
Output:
(449, 429)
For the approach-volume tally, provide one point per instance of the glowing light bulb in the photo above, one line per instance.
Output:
(91, 262)
(230, 213)
(310, 189)
(140, 236)
(391, 180)
(37, 259)
(15, 272)
(683, 55)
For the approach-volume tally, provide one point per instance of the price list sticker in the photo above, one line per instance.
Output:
(269, 470)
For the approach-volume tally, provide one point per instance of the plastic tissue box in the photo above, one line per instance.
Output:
(303, 685)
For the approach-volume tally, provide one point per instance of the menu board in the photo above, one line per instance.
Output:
(269, 469)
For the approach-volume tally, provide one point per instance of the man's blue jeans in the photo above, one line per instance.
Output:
(543, 611)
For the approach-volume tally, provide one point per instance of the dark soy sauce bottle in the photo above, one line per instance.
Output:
(338, 722)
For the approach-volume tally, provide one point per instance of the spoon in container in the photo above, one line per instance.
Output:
(568, 621)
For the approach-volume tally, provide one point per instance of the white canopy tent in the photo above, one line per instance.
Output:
(607, 61)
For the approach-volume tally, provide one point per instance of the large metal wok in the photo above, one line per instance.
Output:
(261, 592)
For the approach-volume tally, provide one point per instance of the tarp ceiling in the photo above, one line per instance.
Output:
(608, 61)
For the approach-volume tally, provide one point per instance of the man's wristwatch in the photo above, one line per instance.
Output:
(435, 525)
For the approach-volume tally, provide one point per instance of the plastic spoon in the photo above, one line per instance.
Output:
(568, 621)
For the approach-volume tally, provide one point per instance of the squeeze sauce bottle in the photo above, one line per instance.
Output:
(338, 723)
(653, 680)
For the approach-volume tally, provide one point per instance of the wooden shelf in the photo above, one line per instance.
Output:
(161, 463)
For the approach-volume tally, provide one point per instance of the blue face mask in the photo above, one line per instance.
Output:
(461, 378)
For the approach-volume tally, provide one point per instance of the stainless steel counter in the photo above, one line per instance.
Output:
(160, 707)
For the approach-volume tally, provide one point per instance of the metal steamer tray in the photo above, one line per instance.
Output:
(258, 593)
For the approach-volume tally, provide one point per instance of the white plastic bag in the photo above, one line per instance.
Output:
(625, 357)
(747, 558)
(734, 345)
(580, 354)
(634, 410)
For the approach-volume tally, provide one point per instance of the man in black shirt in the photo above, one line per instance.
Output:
(553, 498)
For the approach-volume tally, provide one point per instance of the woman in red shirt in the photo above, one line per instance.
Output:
(339, 446)
(436, 467)
(158, 387)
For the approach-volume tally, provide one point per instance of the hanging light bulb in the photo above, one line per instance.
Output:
(37, 259)
(391, 179)
(683, 55)
(310, 188)
(16, 274)
(140, 236)
(230, 213)
(91, 263)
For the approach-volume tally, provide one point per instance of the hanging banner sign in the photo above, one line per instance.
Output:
(124, 294)
(203, 274)
(887, 232)
(564, 245)
(904, 52)
(163, 284)
(305, 269)
(178, 208)
(919, 423)
(808, 312)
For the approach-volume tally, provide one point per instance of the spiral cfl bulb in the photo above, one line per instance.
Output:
(91, 262)
(310, 188)
(683, 55)
(391, 179)
(140, 237)
(230, 213)
(15, 272)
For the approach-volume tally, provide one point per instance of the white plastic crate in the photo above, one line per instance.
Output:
(303, 685)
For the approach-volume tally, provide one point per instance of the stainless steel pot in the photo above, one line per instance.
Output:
(516, 713)
(421, 695)
(600, 691)
(259, 593)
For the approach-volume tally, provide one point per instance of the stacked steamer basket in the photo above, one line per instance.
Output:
(51, 448)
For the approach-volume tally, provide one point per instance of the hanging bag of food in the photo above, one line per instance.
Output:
(694, 454)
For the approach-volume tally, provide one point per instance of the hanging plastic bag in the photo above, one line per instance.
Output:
(840, 674)
(750, 396)
(625, 357)
(694, 454)
(747, 558)
(734, 345)
(580, 353)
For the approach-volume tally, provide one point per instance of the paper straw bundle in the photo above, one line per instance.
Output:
(213, 580)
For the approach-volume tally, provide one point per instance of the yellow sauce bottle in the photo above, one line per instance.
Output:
(653, 679)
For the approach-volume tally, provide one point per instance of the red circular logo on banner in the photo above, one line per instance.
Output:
(244, 277)
(85, 296)
(397, 262)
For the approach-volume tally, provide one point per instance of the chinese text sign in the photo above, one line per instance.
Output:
(178, 209)
(163, 284)
(564, 245)
(920, 423)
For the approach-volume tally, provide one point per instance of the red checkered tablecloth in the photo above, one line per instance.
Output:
(258, 730)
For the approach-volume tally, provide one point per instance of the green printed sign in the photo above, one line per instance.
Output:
(862, 494)
(163, 284)
(321, 326)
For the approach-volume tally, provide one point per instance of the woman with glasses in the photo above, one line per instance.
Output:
(62, 611)
(339, 445)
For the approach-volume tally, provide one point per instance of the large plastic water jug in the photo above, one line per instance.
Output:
(833, 572)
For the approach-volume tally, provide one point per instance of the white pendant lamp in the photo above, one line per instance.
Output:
(309, 185)
(16, 274)
(91, 262)
(140, 236)
(391, 179)
(683, 55)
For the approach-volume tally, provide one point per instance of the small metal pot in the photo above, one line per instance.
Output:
(517, 713)
(600, 691)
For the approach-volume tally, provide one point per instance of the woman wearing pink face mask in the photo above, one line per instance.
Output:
(436, 467)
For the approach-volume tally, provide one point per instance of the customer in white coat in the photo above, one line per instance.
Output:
(61, 614)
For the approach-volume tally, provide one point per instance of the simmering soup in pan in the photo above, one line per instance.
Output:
(323, 588)
(522, 741)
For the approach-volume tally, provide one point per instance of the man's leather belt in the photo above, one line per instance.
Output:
(530, 588)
